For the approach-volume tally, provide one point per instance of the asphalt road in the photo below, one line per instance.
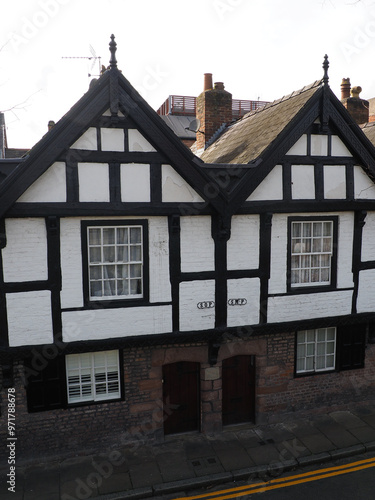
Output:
(352, 479)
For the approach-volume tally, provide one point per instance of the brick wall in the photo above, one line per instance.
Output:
(139, 418)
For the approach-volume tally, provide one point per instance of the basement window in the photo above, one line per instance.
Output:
(316, 350)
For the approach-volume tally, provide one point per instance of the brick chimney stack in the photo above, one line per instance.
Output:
(214, 108)
(357, 107)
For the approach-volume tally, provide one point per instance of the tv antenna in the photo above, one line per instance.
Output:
(92, 58)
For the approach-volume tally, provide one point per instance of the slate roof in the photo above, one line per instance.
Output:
(369, 131)
(179, 125)
(245, 140)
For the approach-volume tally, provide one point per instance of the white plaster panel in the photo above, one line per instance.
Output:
(243, 245)
(345, 249)
(112, 139)
(29, 318)
(25, 256)
(368, 238)
(49, 187)
(191, 294)
(137, 142)
(160, 286)
(279, 242)
(366, 291)
(71, 263)
(175, 189)
(303, 182)
(135, 182)
(334, 182)
(338, 148)
(319, 145)
(364, 188)
(247, 314)
(197, 245)
(109, 113)
(88, 141)
(309, 306)
(271, 188)
(300, 147)
(93, 182)
(114, 323)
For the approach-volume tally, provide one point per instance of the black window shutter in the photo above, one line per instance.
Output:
(45, 387)
(351, 343)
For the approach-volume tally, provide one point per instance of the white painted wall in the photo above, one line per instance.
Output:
(309, 306)
(300, 147)
(364, 188)
(338, 148)
(271, 188)
(175, 189)
(137, 142)
(279, 242)
(368, 239)
(29, 318)
(93, 182)
(49, 187)
(112, 139)
(88, 141)
(191, 293)
(197, 245)
(345, 250)
(243, 245)
(71, 263)
(319, 145)
(160, 286)
(248, 314)
(366, 291)
(135, 182)
(71, 260)
(25, 256)
(113, 323)
(334, 182)
(303, 182)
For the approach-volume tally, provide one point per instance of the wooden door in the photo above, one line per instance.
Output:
(238, 377)
(181, 397)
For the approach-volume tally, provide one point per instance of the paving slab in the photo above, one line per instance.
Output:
(317, 443)
(115, 482)
(234, 457)
(347, 419)
(145, 474)
(42, 482)
(174, 466)
(264, 454)
(364, 434)
(198, 449)
(340, 438)
(292, 449)
(205, 466)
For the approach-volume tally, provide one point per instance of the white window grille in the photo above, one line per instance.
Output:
(316, 350)
(311, 253)
(93, 376)
(115, 256)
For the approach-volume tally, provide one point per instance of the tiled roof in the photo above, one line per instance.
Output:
(245, 140)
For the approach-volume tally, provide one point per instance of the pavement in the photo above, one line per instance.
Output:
(183, 463)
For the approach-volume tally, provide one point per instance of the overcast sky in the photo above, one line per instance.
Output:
(259, 48)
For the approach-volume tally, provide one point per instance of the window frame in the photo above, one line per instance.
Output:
(95, 398)
(310, 287)
(315, 370)
(121, 300)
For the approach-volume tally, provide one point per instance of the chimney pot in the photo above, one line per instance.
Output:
(51, 124)
(207, 81)
(219, 86)
(356, 91)
(345, 88)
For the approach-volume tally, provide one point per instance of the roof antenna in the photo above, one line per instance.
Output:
(325, 67)
(113, 48)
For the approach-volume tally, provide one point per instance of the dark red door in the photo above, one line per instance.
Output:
(181, 397)
(238, 390)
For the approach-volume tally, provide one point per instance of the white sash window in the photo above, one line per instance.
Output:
(316, 350)
(93, 376)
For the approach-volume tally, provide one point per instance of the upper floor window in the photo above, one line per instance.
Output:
(312, 245)
(115, 260)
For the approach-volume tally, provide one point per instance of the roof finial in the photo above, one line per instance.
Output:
(325, 67)
(113, 48)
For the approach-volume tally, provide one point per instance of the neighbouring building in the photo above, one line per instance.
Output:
(145, 291)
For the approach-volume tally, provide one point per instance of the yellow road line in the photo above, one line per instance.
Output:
(286, 481)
